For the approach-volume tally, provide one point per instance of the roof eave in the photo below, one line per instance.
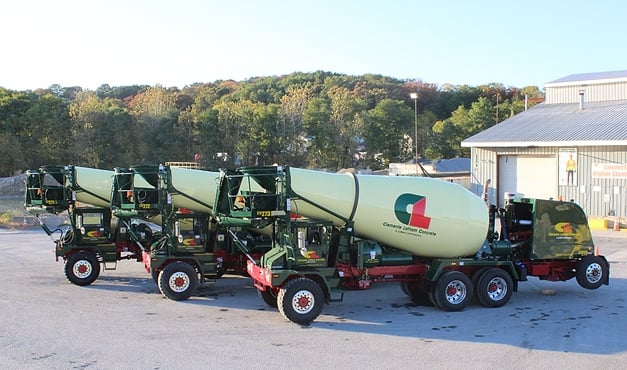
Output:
(585, 82)
(531, 144)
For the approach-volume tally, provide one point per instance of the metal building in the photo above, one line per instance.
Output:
(571, 147)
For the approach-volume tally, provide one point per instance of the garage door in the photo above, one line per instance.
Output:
(527, 176)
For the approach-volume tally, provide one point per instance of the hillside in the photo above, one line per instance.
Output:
(12, 186)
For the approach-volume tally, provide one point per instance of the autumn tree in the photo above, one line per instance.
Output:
(103, 132)
(159, 138)
(291, 140)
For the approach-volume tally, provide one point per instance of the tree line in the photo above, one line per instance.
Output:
(311, 120)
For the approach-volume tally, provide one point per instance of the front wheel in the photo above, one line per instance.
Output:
(300, 301)
(178, 281)
(592, 272)
(494, 288)
(155, 274)
(82, 268)
(453, 291)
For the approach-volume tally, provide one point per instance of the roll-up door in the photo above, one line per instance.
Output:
(527, 176)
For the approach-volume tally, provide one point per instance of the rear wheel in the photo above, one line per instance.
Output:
(178, 281)
(453, 291)
(300, 300)
(418, 294)
(82, 268)
(494, 288)
(269, 296)
(592, 271)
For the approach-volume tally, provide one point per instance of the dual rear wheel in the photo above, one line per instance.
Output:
(454, 290)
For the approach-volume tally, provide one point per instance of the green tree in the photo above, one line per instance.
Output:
(387, 133)
(319, 133)
(12, 154)
(347, 118)
(13, 131)
(156, 114)
(48, 124)
(463, 123)
(446, 143)
(103, 132)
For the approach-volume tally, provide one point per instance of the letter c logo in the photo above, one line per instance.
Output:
(410, 210)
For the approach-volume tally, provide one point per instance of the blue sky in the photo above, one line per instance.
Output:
(176, 43)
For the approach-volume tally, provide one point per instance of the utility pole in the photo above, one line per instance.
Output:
(414, 95)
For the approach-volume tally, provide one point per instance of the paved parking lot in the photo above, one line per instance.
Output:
(121, 321)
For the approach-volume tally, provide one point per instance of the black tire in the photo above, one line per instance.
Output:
(269, 296)
(430, 296)
(592, 272)
(300, 301)
(453, 291)
(178, 281)
(82, 268)
(475, 279)
(494, 288)
(155, 275)
(418, 295)
(405, 289)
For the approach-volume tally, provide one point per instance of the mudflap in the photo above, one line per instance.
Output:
(146, 260)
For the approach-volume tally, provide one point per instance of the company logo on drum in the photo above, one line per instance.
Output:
(410, 210)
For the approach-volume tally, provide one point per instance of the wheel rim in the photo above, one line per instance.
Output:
(594, 273)
(497, 288)
(82, 269)
(303, 301)
(179, 282)
(455, 292)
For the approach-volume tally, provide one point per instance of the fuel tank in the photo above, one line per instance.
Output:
(424, 216)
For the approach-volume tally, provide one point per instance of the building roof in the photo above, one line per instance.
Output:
(599, 123)
(582, 78)
(452, 165)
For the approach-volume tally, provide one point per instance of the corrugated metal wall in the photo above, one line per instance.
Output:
(592, 93)
(598, 196)
(483, 167)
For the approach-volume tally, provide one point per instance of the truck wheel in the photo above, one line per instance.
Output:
(82, 268)
(405, 289)
(453, 291)
(269, 296)
(431, 297)
(178, 281)
(417, 294)
(300, 301)
(494, 288)
(591, 272)
(155, 275)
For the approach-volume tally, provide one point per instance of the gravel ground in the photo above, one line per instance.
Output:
(121, 321)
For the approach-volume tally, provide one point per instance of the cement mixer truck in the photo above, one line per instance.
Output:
(332, 232)
(190, 250)
(93, 236)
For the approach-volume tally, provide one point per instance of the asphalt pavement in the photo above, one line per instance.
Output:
(121, 321)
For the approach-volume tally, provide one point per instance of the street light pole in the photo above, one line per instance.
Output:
(414, 95)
